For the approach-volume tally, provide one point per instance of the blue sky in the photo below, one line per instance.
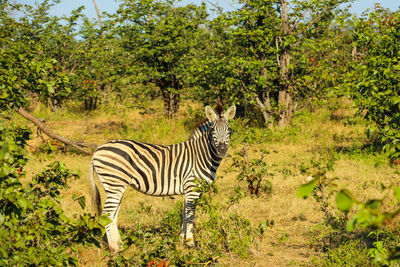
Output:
(65, 7)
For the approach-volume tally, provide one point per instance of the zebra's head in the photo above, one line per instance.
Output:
(220, 128)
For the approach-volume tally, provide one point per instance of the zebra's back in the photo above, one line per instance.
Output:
(152, 169)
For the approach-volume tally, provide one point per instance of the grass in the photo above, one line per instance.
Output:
(290, 241)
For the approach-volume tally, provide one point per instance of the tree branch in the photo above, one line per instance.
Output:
(99, 16)
(52, 134)
(316, 18)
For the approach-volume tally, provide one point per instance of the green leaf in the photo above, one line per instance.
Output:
(306, 189)
(3, 93)
(104, 220)
(50, 88)
(81, 200)
(344, 200)
(396, 192)
(373, 204)
(23, 203)
(351, 224)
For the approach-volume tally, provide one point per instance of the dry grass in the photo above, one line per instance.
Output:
(288, 242)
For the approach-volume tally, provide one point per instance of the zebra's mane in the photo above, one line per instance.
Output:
(203, 126)
(218, 108)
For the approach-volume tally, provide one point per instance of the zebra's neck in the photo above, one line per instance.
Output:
(206, 159)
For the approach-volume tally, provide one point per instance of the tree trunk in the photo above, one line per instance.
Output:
(99, 17)
(170, 91)
(171, 103)
(266, 110)
(284, 96)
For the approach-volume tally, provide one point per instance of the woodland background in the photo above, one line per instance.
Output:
(318, 117)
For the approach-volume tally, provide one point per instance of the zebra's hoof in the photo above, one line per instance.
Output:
(116, 247)
(189, 242)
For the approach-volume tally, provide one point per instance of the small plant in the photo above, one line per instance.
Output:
(252, 171)
(144, 208)
(234, 198)
(321, 187)
(265, 225)
(378, 252)
(47, 148)
(222, 232)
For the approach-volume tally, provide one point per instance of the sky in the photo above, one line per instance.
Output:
(110, 6)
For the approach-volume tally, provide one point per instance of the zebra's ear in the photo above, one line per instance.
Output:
(210, 113)
(230, 113)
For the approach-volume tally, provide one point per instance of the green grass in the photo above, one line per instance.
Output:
(349, 253)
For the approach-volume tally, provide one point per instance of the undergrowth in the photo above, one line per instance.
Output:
(216, 234)
(348, 235)
(34, 230)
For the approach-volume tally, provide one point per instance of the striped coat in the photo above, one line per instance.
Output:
(159, 170)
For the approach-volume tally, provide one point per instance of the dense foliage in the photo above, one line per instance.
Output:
(271, 58)
(375, 77)
(163, 40)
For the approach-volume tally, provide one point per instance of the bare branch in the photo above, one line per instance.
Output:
(98, 15)
(50, 133)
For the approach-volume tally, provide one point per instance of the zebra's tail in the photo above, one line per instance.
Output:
(94, 191)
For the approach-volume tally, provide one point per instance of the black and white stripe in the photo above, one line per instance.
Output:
(159, 170)
(202, 128)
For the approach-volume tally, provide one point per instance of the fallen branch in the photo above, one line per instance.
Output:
(50, 133)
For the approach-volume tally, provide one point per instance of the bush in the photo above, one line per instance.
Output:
(33, 229)
(253, 171)
(222, 232)
(374, 81)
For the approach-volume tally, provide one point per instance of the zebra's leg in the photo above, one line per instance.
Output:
(188, 217)
(183, 227)
(111, 208)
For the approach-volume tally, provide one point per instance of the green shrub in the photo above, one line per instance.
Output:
(33, 228)
(374, 80)
(252, 171)
(226, 233)
(222, 232)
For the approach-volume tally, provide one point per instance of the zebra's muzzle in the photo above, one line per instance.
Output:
(222, 149)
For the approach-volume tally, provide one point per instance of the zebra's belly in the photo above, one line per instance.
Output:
(159, 191)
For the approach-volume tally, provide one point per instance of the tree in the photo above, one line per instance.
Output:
(244, 50)
(162, 39)
(99, 62)
(309, 21)
(26, 69)
(374, 79)
(263, 38)
(322, 57)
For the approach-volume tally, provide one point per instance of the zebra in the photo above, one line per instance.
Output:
(160, 170)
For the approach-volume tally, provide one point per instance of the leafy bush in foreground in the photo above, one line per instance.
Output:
(368, 217)
(33, 228)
